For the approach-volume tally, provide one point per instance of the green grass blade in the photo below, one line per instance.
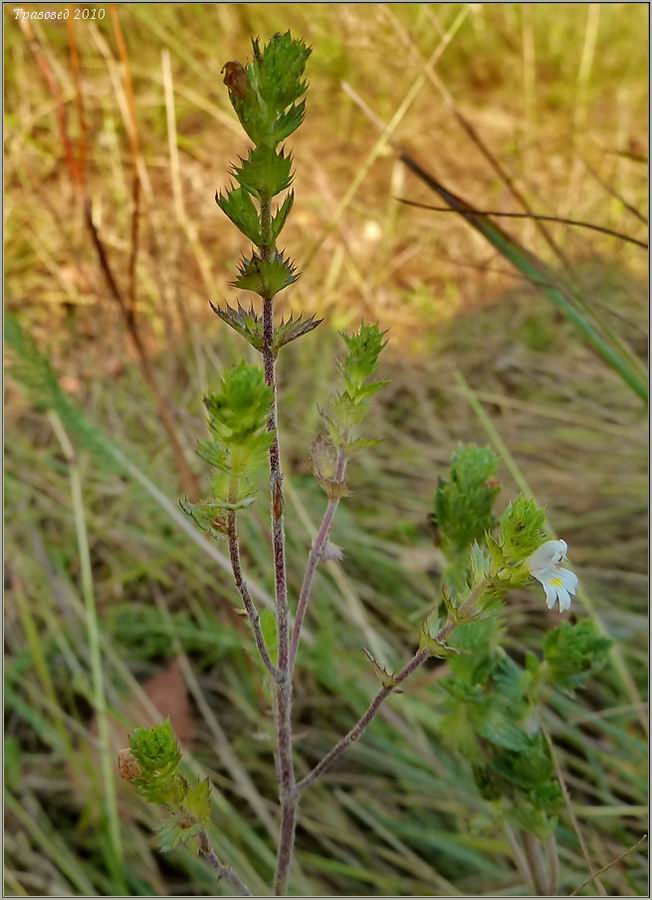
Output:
(536, 272)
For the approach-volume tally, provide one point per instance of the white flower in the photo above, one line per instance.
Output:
(559, 584)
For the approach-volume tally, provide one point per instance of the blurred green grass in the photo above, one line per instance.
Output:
(399, 815)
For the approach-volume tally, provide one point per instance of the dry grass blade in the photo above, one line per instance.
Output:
(514, 215)
(535, 270)
(613, 862)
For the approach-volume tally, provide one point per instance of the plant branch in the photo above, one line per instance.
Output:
(316, 553)
(240, 583)
(417, 660)
(552, 856)
(532, 849)
(243, 590)
(363, 722)
(226, 872)
(283, 698)
(519, 857)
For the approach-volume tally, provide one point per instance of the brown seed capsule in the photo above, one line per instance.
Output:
(128, 767)
(236, 79)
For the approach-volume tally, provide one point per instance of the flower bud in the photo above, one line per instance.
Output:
(128, 767)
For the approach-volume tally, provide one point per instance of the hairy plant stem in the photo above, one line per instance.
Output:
(226, 872)
(519, 857)
(553, 865)
(532, 849)
(241, 584)
(316, 553)
(283, 694)
(365, 720)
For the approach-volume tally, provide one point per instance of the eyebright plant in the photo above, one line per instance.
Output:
(489, 703)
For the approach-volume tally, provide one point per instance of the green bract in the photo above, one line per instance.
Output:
(265, 172)
(265, 276)
(239, 207)
(157, 753)
(573, 653)
(348, 409)
(361, 361)
(238, 412)
(490, 701)
(465, 497)
(462, 511)
(267, 105)
(237, 418)
(522, 528)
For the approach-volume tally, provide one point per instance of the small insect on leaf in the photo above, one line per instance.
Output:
(236, 79)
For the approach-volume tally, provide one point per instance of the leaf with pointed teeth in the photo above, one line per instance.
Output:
(289, 121)
(239, 207)
(246, 322)
(428, 638)
(386, 678)
(293, 329)
(265, 277)
(279, 219)
(265, 172)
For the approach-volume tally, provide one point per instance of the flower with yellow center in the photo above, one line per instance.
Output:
(558, 583)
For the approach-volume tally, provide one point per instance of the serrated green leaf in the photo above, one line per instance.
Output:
(265, 94)
(428, 631)
(386, 678)
(198, 801)
(238, 206)
(265, 172)
(205, 518)
(463, 506)
(288, 122)
(573, 653)
(292, 329)
(178, 831)
(281, 215)
(495, 726)
(265, 277)
(522, 529)
(246, 322)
